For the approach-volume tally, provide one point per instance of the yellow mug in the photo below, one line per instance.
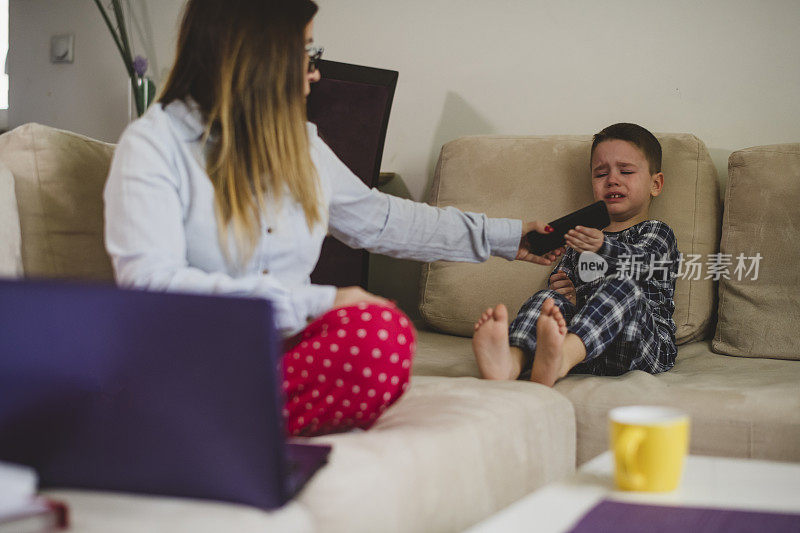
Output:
(649, 445)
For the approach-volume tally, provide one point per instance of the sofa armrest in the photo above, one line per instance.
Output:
(10, 241)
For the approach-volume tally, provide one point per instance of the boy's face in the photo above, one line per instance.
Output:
(621, 178)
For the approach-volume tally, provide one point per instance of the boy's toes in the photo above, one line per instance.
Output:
(547, 306)
(484, 317)
(500, 313)
(555, 312)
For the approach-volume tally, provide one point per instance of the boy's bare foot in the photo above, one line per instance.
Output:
(490, 344)
(551, 329)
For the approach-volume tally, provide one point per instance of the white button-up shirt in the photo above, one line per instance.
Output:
(161, 228)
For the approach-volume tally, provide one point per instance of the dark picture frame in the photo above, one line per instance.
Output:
(350, 106)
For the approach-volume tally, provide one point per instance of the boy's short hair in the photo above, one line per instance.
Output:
(636, 135)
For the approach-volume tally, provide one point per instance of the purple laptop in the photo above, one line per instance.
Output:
(169, 394)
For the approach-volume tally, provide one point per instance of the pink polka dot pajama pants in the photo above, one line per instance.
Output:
(346, 368)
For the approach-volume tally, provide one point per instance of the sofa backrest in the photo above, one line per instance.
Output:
(544, 178)
(759, 302)
(59, 178)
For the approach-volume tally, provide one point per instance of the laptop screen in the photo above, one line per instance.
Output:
(170, 394)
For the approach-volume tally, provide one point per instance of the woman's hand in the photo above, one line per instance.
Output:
(355, 295)
(561, 283)
(524, 253)
(583, 239)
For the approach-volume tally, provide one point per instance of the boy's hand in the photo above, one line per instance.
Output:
(524, 253)
(561, 283)
(582, 239)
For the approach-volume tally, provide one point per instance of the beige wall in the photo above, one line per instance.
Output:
(725, 70)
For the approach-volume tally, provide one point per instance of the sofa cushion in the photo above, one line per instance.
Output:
(10, 251)
(759, 311)
(449, 453)
(544, 178)
(738, 407)
(444, 355)
(59, 178)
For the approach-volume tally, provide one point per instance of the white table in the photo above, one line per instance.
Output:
(745, 484)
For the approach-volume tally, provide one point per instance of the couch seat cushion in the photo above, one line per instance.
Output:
(451, 452)
(444, 355)
(738, 407)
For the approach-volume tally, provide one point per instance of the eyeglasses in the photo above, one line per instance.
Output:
(314, 55)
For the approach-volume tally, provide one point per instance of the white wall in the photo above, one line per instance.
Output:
(725, 70)
(90, 95)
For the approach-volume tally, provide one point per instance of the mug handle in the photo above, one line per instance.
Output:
(628, 442)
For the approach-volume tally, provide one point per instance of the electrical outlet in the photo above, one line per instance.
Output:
(62, 48)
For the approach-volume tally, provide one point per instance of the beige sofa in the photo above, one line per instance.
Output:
(455, 449)
(745, 406)
(450, 453)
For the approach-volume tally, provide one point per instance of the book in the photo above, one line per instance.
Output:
(21, 510)
(17, 481)
(622, 517)
(35, 515)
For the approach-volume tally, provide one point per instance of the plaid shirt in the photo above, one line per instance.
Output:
(633, 253)
(647, 254)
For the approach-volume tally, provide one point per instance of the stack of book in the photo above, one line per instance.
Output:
(21, 509)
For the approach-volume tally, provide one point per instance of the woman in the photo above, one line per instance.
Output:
(222, 187)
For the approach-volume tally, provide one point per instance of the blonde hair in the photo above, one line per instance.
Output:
(241, 61)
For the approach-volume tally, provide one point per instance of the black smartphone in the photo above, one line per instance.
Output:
(591, 216)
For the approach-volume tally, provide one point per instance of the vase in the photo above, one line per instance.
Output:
(141, 93)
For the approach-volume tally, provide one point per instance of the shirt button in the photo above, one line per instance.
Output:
(269, 230)
(265, 271)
